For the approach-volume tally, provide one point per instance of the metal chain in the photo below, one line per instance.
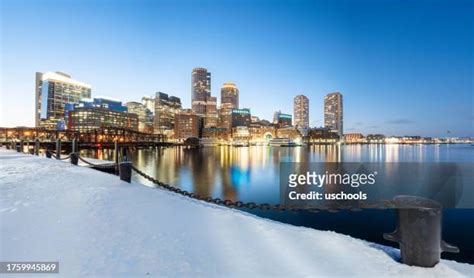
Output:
(219, 201)
(103, 166)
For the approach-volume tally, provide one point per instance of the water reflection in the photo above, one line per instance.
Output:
(252, 173)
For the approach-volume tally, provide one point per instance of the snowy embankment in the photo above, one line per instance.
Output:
(94, 224)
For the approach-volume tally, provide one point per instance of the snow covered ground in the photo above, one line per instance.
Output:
(96, 225)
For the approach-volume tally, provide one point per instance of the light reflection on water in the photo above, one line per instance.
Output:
(252, 173)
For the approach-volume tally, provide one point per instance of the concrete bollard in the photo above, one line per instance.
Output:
(48, 153)
(418, 231)
(37, 146)
(74, 158)
(125, 171)
(58, 149)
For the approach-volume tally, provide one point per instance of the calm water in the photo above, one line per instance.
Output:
(252, 174)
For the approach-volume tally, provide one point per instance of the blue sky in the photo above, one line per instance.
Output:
(404, 67)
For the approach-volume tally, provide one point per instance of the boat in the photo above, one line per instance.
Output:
(209, 142)
(240, 144)
(282, 142)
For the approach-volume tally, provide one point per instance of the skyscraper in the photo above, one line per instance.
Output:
(166, 107)
(200, 90)
(301, 111)
(229, 96)
(149, 103)
(333, 113)
(53, 90)
(145, 117)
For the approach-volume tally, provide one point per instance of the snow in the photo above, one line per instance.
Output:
(96, 225)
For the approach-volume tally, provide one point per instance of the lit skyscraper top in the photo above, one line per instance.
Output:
(229, 96)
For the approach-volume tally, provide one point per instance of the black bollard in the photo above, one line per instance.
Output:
(74, 158)
(18, 147)
(116, 156)
(418, 231)
(58, 149)
(125, 171)
(37, 146)
(48, 153)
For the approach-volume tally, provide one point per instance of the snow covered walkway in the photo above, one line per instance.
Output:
(94, 224)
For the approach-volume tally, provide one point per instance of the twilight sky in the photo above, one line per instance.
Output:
(403, 67)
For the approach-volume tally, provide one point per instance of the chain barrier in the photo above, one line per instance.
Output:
(103, 166)
(219, 201)
(225, 202)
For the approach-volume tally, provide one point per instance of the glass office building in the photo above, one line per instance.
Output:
(53, 90)
(301, 111)
(88, 115)
(333, 113)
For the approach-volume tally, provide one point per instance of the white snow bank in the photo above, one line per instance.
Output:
(94, 224)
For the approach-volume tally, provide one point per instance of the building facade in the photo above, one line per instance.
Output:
(241, 117)
(333, 113)
(145, 119)
(354, 138)
(211, 118)
(200, 90)
(229, 96)
(53, 90)
(166, 107)
(88, 115)
(301, 111)
(149, 103)
(281, 119)
(187, 124)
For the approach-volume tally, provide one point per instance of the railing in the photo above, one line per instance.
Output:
(99, 135)
(419, 224)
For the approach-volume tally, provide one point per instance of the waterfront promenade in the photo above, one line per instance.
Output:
(95, 224)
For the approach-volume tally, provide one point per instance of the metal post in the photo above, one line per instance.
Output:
(37, 146)
(124, 154)
(74, 158)
(116, 156)
(30, 151)
(22, 145)
(418, 231)
(125, 171)
(75, 146)
(58, 148)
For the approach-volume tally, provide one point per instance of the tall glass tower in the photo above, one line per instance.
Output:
(333, 113)
(229, 96)
(200, 90)
(301, 111)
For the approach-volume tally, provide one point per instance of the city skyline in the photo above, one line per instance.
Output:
(404, 100)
